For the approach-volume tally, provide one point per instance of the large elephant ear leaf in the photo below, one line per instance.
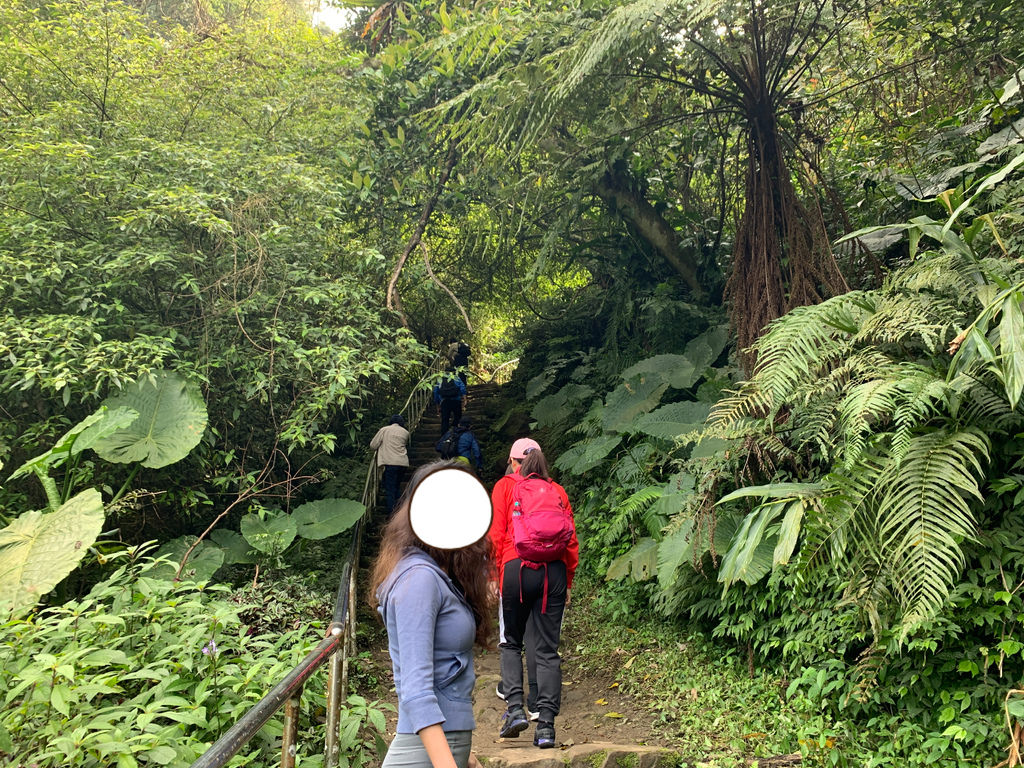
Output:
(172, 418)
(327, 517)
(38, 550)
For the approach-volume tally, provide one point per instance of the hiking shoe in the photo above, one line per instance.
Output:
(513, 722)
(498, 691)
(533, 716)
(544, 737)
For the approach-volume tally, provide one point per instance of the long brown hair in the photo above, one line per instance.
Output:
(534, 463)
(467, 567)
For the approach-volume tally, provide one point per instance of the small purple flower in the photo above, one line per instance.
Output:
(210, 649)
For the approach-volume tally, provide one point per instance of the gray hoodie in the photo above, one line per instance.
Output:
(430, 638)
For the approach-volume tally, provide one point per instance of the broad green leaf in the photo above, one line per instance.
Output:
(746, 559)
(1011, 347)
(673, 420)
(38, 550)
(271, 535)
(172, 418)
(202, 564)
(630, 400)
(674, 550)
(789, 532)
(236, 548)
(327, 517)
(587, 454)
(83, 435)
(161, 755)
(641, 562)
(554, 409)
(774, 491)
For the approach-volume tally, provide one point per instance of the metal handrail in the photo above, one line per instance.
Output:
(336, 647)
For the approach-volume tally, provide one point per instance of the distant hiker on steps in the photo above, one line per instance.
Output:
(449, 394)
(390, 443)
(459, 442)
(458, 356)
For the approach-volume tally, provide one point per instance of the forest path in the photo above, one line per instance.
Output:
(599, 727)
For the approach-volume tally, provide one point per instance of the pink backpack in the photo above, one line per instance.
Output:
(542, 526)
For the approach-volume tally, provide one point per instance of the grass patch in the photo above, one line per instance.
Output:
(703, 701)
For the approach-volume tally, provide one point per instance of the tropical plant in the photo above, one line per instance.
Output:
(147, 671)
(155, 422)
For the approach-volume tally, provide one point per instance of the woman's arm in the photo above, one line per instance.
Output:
(436, 744)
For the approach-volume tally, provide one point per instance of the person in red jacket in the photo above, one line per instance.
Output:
(529, 591)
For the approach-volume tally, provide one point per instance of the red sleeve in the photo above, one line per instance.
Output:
(500, 502)
(572, 552)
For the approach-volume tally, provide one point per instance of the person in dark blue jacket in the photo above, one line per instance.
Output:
(449, 394)
(435, 604)
(460, 443)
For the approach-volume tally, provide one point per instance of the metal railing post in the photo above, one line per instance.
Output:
(289, 739)
(335, 696)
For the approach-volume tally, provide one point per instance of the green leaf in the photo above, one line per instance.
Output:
(236, 548)
(673, 420)
(327, 517)
(789, 532)
(38, 550)
(641, 562)
(774, 491)
(587, 454)
(202, 564)
(750, 556)
(673, 551)
(631, 399)
(172, 418)
(161, 755)
(554, 409)
(1011, 347)
(83, 435)
(271, 535)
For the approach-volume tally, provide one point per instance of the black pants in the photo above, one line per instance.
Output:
(392, 480)
(522, 597)
(451, 412)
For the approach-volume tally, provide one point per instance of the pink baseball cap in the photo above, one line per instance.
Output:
(521, 447)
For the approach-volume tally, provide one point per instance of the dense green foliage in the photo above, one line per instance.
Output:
(147, 671)
(649, 203)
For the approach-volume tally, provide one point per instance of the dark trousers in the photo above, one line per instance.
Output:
(451, 412)
(522, 598)
(391, 481)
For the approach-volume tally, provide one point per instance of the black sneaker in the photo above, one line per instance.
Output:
(544, 737)
(513, 722)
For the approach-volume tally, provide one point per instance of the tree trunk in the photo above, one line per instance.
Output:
(615, 189)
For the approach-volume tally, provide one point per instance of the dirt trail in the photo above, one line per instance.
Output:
(599, 727)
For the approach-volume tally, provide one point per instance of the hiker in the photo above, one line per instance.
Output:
(390, 444)
(536, 552)
(460, 443)
(458, 356)
(434, 600)
(449, 394)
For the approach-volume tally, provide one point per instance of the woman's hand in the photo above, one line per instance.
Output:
(473, 762)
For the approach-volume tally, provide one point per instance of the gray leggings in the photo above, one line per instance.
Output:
(406, 751)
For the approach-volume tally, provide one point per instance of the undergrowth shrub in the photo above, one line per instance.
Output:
(145, 671)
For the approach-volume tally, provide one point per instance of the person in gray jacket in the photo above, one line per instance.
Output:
(435, 604)
(390, 444)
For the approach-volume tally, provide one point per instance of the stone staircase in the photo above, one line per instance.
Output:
(482, 404)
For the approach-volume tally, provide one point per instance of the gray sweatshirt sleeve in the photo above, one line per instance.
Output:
(413, 607)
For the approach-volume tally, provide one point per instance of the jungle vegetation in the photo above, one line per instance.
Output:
(759, 265)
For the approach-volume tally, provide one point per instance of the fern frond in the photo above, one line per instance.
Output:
(924, 515)
(801, 346)
(911, 320)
